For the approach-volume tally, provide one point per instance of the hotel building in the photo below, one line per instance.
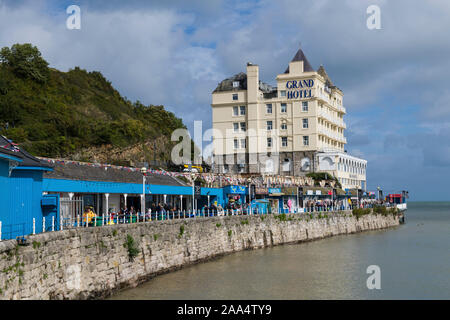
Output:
(293, 128)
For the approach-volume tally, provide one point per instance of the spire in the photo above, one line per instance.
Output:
(324, 74)
(300, 56)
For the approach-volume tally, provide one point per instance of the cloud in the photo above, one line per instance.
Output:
(175, 52)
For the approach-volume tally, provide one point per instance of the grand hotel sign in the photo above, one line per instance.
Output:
(299, 89)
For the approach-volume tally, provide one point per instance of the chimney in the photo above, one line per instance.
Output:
(252, 82)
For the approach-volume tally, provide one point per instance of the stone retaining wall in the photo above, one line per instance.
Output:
(94, 262)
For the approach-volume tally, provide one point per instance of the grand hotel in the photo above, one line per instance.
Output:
(293, 128)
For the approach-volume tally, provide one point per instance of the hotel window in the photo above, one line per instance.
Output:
(243, 127)
(236, 143)
(283, 108)
(236, 127)
(284, 126)
(305, 123)
(305, 106)
(283, 93)
(235, 96)
(242, 109)
(235, 111)
(305, 140)
(243, 143)
(269, 108)
(269, 142)
(284, 141)
(269, 125)
(235, 84)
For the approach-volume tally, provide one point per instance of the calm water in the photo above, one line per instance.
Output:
(414, 259)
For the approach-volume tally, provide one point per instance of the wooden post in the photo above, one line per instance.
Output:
(53, 223)
(43, 224)
(34, 226)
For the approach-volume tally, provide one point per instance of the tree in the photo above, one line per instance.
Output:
(25, 61)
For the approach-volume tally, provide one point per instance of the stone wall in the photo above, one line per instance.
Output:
(94, 262)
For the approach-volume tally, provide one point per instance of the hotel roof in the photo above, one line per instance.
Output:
(241, 77)
(300, 56)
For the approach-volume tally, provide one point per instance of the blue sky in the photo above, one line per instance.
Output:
(174, 53)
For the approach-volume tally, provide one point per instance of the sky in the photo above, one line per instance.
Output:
(174, 53)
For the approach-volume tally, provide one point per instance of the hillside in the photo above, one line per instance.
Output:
(77, 114)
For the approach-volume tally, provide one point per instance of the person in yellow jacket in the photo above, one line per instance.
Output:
(88, 215)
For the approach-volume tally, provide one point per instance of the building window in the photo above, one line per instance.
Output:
(269, 125)
(236, 143)
(283, 108)
(287, 165)
(284, 142)
(236, 127)
(269, 108)
(242, 108)
(269, 142)
(243, 143)
(305, 106)
(305, 123)
(283, 93)
(235, 84)
(235, 96)
(235, 111)
(284, 126)
(305, 140)
(243, 127)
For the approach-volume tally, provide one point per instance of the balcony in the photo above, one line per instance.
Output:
(330, 118)
(333, 135)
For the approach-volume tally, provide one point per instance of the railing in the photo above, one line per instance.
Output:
(6, 231)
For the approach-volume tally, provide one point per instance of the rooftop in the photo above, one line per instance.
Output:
(10, 148)
(74, 170)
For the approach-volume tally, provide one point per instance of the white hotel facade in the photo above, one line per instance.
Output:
(291, 129)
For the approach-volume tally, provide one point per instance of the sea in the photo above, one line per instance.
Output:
(411, 261)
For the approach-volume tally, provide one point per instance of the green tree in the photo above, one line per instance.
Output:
(25, 61)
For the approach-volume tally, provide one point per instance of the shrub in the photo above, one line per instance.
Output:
(380, 210)
(359, 212)
(181, 231)
(281, 217)
(132, 248)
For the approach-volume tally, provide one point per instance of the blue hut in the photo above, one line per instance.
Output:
(21, 185)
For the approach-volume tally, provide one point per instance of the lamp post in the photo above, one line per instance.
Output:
(193, 177)
(249, 180)
(144, 172)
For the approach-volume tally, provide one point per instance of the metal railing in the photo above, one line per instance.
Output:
(6, 231)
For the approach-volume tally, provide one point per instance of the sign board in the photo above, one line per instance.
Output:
(252, 192)
(259, 190)
(289, 191)
(197, 190)
(274, 190)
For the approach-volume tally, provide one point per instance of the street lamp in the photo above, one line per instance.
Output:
(249, 180)
(144, 173)
(193, 177)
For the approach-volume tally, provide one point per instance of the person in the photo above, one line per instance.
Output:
(88, 215)
(220, 210)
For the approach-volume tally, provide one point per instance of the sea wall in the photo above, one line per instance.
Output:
(94, 262)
